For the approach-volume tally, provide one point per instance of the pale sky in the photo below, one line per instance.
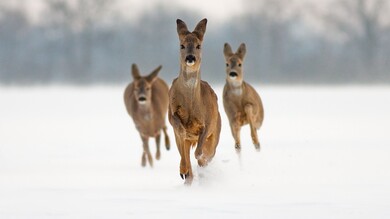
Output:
(217, 10)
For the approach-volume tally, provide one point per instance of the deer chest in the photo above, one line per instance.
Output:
(190, 119)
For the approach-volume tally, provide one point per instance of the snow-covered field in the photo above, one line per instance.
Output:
(74, 153)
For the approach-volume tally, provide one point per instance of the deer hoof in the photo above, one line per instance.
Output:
(184, 176)
(257, 146)
(238, 148)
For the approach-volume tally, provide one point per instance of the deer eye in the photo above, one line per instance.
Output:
(198, 47)
(227, 64)
(182, 47)
(239, 65)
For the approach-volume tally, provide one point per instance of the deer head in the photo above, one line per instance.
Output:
(191, 45)
(143, 85)
(234, 61)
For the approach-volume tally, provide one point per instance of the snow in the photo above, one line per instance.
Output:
(73, 152)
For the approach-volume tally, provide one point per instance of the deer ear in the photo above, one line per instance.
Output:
(241, 51)
(182, 29)
(227, 50)
(153, 76)
(135, 72)
(200, 29)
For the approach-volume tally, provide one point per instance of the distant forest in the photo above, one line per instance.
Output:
(88, 43)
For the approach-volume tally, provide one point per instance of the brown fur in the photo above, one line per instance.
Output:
(241, 101)
(148, 116)
(193, 109)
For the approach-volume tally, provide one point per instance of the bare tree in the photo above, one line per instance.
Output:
(362, 24)
(13, 26)
(76, 23)
(270, 22)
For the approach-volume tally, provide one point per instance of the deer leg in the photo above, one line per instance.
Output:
(251, 119)
(201, 140)
(175, 121)
(167, 143)
(210, 145)
(143, 159)
(185, 163)
(148, 155)
(158, 153)
(208, 151)
(236, 128)
(180, 147)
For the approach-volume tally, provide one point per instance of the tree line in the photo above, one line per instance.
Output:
(88, 42)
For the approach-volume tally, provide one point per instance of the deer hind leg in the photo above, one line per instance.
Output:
(167, 142)
(185, 163)
(158, 152)
(148, 155)
(252, 123)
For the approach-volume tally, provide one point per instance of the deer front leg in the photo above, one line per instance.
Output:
(185, 163)
(143, 159)
(251, 119)
(167, 143)
(235, 127)
(175, 121)
(145, 141)
(208, 150)
(158, 153)
(201, 140)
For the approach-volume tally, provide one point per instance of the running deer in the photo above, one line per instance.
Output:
(193, 108)
(241, 102)
(146, 100)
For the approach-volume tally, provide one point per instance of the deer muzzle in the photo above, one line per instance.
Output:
(190, 60)
(233, 75)
(142, 100)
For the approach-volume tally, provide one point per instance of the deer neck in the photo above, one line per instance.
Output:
(145, 110)
(235, 87)
(190, 82)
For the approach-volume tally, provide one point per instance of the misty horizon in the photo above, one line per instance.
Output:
(89, 42)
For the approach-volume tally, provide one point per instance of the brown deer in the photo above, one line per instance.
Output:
(241, 102)
(193, 108)
(146, 100)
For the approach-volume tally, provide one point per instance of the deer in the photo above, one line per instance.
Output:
(146, 101)
(241, 102)
(193, 108)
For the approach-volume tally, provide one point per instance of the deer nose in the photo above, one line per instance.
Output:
(233, 74)
(142, 99)
(190, 60)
